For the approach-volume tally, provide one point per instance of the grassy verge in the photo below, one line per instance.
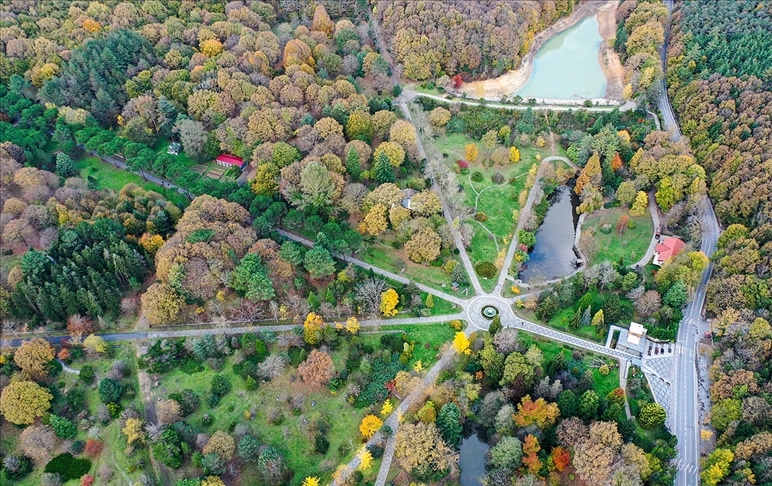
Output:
(110, 177)
(385, 257)
(560, 322)
(630, 245)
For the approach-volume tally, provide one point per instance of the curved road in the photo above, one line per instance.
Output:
(684, 413)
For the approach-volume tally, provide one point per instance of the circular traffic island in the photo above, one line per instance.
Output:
(489, 312)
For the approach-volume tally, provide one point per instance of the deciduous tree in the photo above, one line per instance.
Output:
(317, 368)
(34, 356)
(369, 426)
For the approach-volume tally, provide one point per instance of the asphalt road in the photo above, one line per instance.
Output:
(685, 408)
(684, 414)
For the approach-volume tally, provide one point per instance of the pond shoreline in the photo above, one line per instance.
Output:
(510, 82)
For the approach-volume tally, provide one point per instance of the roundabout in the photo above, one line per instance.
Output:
(481, 310)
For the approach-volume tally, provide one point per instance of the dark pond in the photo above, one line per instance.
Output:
(472, 458)
(553, 256)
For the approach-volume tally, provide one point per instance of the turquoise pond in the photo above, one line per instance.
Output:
(567, 67)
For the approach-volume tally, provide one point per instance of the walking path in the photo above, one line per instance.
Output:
(409, 94)
(385, 273)
(504, 272)
(452, 224)
(654, 211)
(121, 164)
(67, 369)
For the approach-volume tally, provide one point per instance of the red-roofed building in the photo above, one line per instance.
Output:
(227, 160)
(667, 249)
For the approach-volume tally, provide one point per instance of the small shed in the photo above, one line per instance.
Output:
(407, 195)
(227, 160)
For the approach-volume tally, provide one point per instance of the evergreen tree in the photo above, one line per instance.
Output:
(449, 424)
(353, 166)
(382, 169)
(65, 167)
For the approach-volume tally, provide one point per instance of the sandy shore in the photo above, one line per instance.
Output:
(513, 80)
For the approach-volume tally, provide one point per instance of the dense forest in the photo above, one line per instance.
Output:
(431, 39)
(718, 75)
(640, 36)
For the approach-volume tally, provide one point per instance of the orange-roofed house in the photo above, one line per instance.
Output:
(667, 249)
(227, 160)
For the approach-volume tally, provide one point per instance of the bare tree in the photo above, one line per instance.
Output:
(648, 303)
(368, 295)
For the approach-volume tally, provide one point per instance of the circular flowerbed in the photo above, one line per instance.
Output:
(489, 312)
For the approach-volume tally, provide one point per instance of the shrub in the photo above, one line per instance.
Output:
(486, 269)
(213, 400)
(87, 374)
(477, 176)
(77, 446)
(481, 216)
(63, 428)
(110, 391)
(16, 467)
(94, 447)
(463, 164)
(321, 444)
(220, 385)
(498, 178)
(68, 467)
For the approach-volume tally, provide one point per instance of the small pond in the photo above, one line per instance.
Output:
(553, 256)
(566, 67)
(472, 458)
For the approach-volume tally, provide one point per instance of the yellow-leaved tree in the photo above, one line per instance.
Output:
(387, 408)
(313, 328)
(95, 343)
(212, 481)
(352, 325)
(471, 152)
(370, 425)
(514, 154)
(134, 431)
(365, 459)
(461, 343)
(22, 402)
(311, 481)
(34, 356)
(389, 302)
(640, 204)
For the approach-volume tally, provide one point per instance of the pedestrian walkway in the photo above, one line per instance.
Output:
(654, 211)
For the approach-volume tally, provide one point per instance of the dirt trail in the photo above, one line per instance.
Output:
(511, 81)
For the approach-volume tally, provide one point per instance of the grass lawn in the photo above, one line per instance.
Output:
(126, 469)
(294, 434)
(433, 335)
(387, 258)
(602, 384)
(561, 319)
(630, 246)
(499, 202)
(560, 322)
(110, 177)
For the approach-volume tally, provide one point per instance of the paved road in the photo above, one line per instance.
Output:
(164, 334)
(663, 103)
(684, 413)
(654, 211)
